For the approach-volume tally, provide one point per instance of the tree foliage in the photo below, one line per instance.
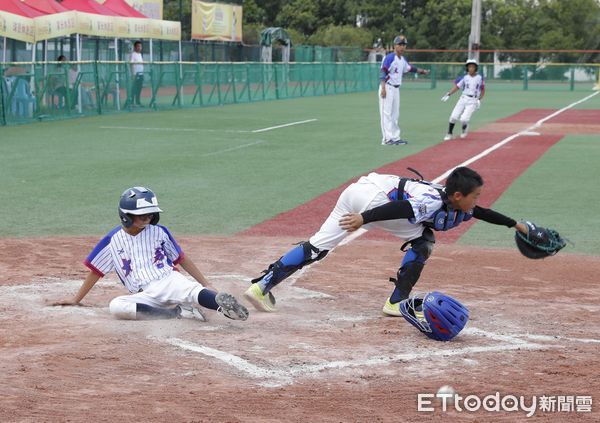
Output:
(441, 24)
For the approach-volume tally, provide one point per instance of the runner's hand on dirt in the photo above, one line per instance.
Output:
(351, 221)
(66, 303)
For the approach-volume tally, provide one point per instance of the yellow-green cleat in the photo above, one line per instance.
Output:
(263, 302)
(391, 309)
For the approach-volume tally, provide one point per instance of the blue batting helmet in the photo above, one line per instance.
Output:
(137, 201)
(438, 316)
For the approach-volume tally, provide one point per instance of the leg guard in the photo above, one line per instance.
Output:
(295, 259)
(412, 265)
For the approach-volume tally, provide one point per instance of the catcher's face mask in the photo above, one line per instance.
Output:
(438, 316)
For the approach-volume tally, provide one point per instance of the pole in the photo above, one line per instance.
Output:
(180, 76)
(117, 87)
(4, 51)
(475, 36)
(78, 44)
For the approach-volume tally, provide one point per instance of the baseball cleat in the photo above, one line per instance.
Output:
(191, 313)
(448, 137)
(263, 302)
(463, 135)
(230, 307)
(391, 309)
(396, 142)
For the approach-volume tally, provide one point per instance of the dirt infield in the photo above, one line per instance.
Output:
(328, 354)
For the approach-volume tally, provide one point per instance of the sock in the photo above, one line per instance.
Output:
(464, 126)
(450, 127)
(396, 297)
(168, 313)
(206, 298)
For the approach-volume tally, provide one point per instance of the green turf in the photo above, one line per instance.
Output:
(65, 177)
(560, 190)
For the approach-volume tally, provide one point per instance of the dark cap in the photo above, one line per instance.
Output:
(400, 39)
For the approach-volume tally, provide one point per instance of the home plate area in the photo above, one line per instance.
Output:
(328, 350)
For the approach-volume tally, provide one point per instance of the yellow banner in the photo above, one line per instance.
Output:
(17, 27)
(216, 21)
(56, 25)
(152, 9)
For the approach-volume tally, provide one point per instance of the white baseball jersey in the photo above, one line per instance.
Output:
(392, 69)
(425, 199)
(137, 59)
(376, 190)
(471, 86)
(138, 260)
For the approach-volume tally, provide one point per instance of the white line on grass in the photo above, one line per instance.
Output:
(139, 128)
(232, 148)
(284, 125)
(527, 131)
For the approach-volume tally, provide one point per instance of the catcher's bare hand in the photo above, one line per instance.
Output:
(351, 221)
(521, 227)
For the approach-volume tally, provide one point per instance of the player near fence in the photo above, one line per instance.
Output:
(144, 255)
(393, 66)
(411, 209)
(473, 90)
(137, 74)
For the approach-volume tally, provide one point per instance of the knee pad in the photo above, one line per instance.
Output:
(122, 309)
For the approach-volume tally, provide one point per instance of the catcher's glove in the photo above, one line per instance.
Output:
(539, 242)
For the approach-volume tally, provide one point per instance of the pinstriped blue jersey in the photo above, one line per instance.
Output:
(137, 260)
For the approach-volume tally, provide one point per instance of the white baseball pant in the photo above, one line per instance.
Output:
(358, 197)
(389, 110)
(464, 109)
(167, 292)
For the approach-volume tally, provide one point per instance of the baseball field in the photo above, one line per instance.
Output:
(240, 184)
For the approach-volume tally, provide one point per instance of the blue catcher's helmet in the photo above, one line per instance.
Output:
(137, 201)
(438, 316)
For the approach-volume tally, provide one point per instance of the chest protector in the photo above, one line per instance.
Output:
(445, 218)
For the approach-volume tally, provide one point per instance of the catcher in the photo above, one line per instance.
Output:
(411, 209)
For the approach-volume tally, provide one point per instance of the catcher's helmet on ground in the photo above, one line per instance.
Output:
(138, 201)
(471, 62)
(400, 39)
(438, 316)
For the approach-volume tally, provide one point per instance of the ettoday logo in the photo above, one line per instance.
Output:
(505, 403)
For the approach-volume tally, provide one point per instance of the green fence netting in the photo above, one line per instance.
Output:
(57, 90)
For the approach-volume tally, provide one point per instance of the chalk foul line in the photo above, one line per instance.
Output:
(274, 376)
(270, 128)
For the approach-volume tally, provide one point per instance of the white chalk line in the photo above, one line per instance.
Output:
(227, 150)
(525, 132)
(276, 376)
(163, 129)
(270, 128)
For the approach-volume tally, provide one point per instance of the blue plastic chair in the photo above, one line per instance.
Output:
(22, 99)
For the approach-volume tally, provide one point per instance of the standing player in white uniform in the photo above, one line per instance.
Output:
(144, 255)
(393, 66)
(408, 208)
(473, 90)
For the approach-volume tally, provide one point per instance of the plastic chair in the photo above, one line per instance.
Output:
(22, 99)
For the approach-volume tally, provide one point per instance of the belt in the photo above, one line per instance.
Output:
(472, 96)
(395, 86)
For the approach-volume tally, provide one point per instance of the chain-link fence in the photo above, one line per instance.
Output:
(32, 91)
